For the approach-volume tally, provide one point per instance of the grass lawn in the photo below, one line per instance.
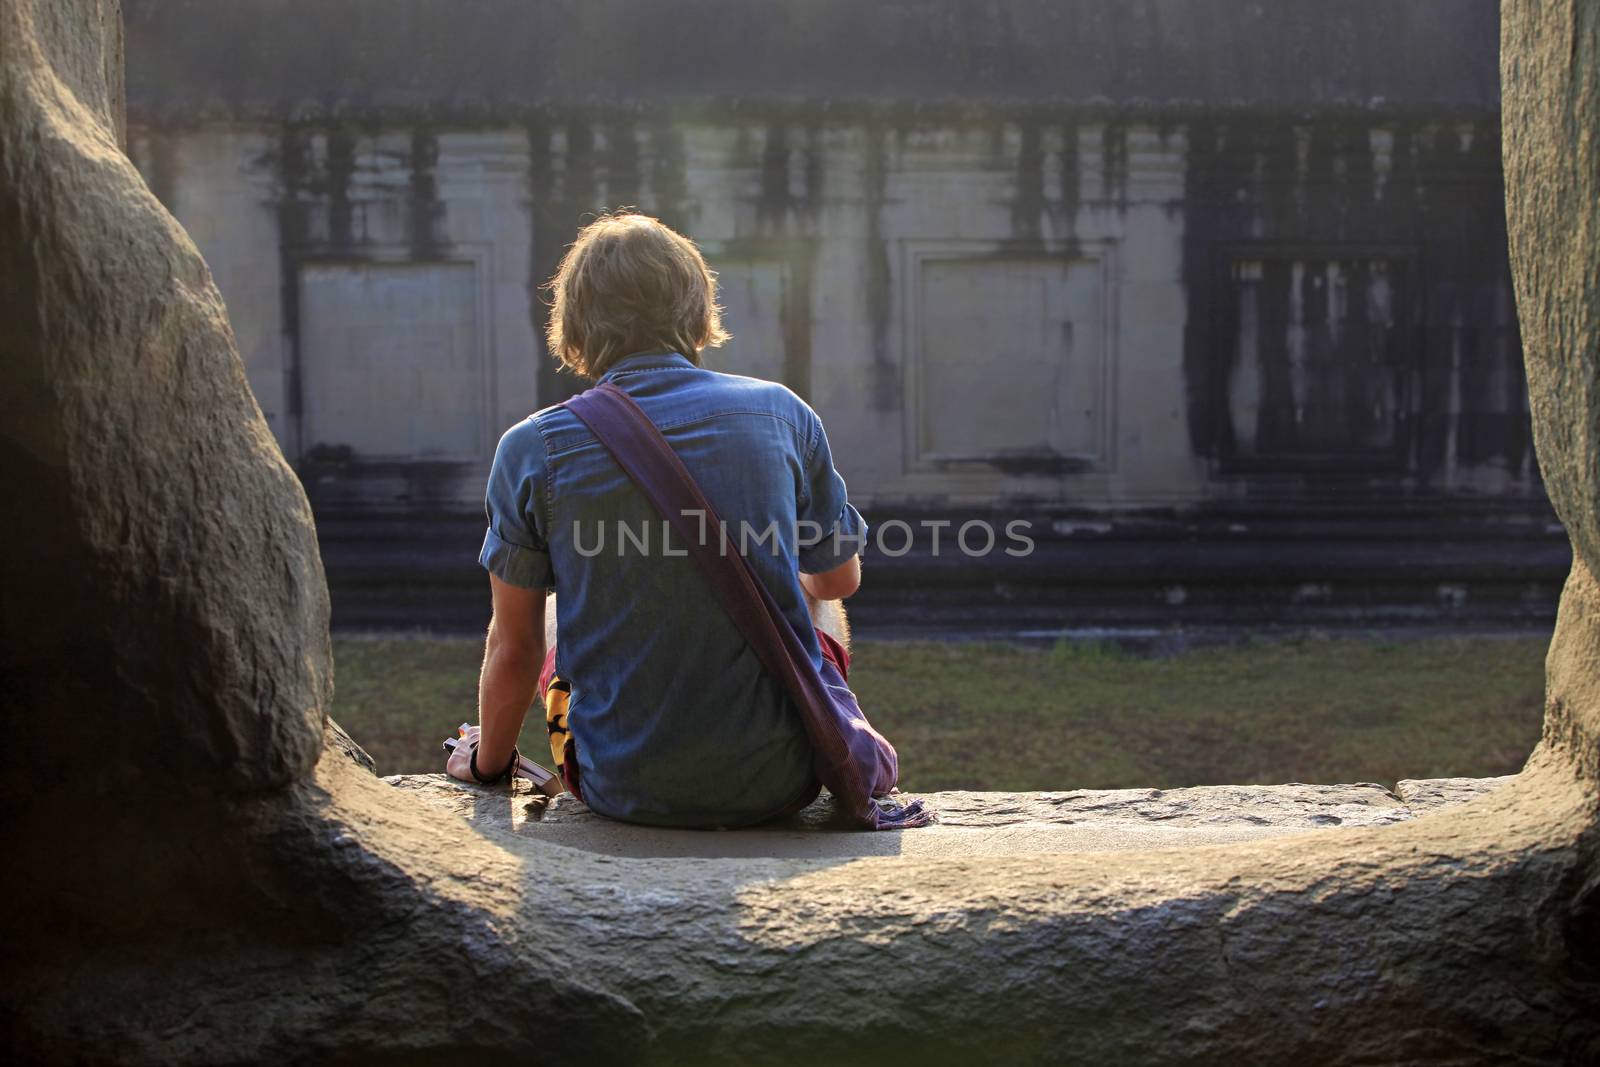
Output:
(987, 716)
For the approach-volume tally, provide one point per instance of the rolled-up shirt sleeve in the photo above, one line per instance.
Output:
(831, 530)
(515, 548)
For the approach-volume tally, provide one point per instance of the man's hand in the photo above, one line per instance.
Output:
(459, 763)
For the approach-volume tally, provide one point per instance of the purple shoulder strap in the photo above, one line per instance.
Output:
(844, 745)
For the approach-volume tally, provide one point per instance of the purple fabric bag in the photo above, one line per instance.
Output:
(853, 760)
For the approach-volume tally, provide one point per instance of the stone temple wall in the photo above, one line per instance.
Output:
(1160, 268)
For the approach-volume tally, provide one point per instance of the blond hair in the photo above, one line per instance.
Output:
(630, 284)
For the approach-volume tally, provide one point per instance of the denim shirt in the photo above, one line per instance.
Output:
(675, 720)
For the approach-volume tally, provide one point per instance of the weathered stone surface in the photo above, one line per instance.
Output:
(1321, 943)
(1550, 68)
(323, 915)
(970, 824)
(1115, 197)
(164, 599)
(336, 740)
(1423, 795)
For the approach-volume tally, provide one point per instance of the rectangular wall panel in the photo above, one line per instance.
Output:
(390, 361)
(1011, 363)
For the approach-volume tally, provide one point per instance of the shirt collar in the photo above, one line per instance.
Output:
(645, 361)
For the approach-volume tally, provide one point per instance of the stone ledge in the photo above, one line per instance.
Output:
(1424, 795)
(972, 824)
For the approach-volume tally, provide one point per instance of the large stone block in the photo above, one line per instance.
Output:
(971, 825)
(165, 616)
(1550, 68)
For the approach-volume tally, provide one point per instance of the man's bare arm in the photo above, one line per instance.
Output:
(836, 584)
(513, 656)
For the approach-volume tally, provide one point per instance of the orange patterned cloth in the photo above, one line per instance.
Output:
(554, 692)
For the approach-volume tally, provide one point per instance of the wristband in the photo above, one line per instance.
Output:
(504, 776)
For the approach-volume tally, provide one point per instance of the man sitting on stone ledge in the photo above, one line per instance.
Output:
(670, 718)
